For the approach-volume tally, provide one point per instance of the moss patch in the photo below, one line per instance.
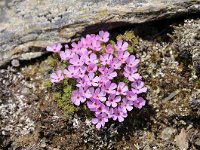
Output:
(131, 38)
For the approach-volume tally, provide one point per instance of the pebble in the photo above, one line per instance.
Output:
(167, 133)
(15, 63)
(197, 141)
(25, 91)
(3, 133)
(43, 143)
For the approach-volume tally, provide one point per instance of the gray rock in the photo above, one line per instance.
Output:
(167, 133)
(28, 26)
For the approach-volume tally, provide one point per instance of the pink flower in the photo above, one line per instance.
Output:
(119, 113)
(116, 64)
(85, 43)
(93, 64)
(101, 108)
(77, 98)
(110, 73)
(80, 83)
(110, 87)
(121, 89)
(91, 37)
(122, 56)
(71, 72)
(106, 59)
(96, 45)
(131, 74)
(138, 87)
(93, 104)
(88, 40)
(82, 71)
(85, 92)
(66, 55)
(84, 51)
(92, 59)
(76, 47)
(103, 36)
(98, 94)
(126, 105)
(66, 46)
(139, 103)
(109, 49)
(91, 80)
(108, 112)
(102, 80)
(92, 68)
(103, 69)
(57, 77)
(132, 62)
(54, 48)
(131, 96)
(76, 60)
(113, 100)
(121, 46)
(100, 120)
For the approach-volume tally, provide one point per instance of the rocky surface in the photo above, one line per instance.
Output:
(28, 26)
(30, 119)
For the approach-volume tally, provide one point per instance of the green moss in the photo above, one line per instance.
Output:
(112, 42)
(68, 112)
(47, 83)
(56, 96)
(61, 93)
(67, 94)
(125, 80)
(119, 37)
(197, 83)
(52, 60)
(131, 38)
(131, 49)
(64, 102)
(65, 81)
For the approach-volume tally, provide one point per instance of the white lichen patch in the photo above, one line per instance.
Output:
(14, 115)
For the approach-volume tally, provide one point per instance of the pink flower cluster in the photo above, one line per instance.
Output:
(96, 64)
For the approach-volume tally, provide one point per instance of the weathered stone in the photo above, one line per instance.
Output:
(181, 140)
(167, 133)
(28, 26)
